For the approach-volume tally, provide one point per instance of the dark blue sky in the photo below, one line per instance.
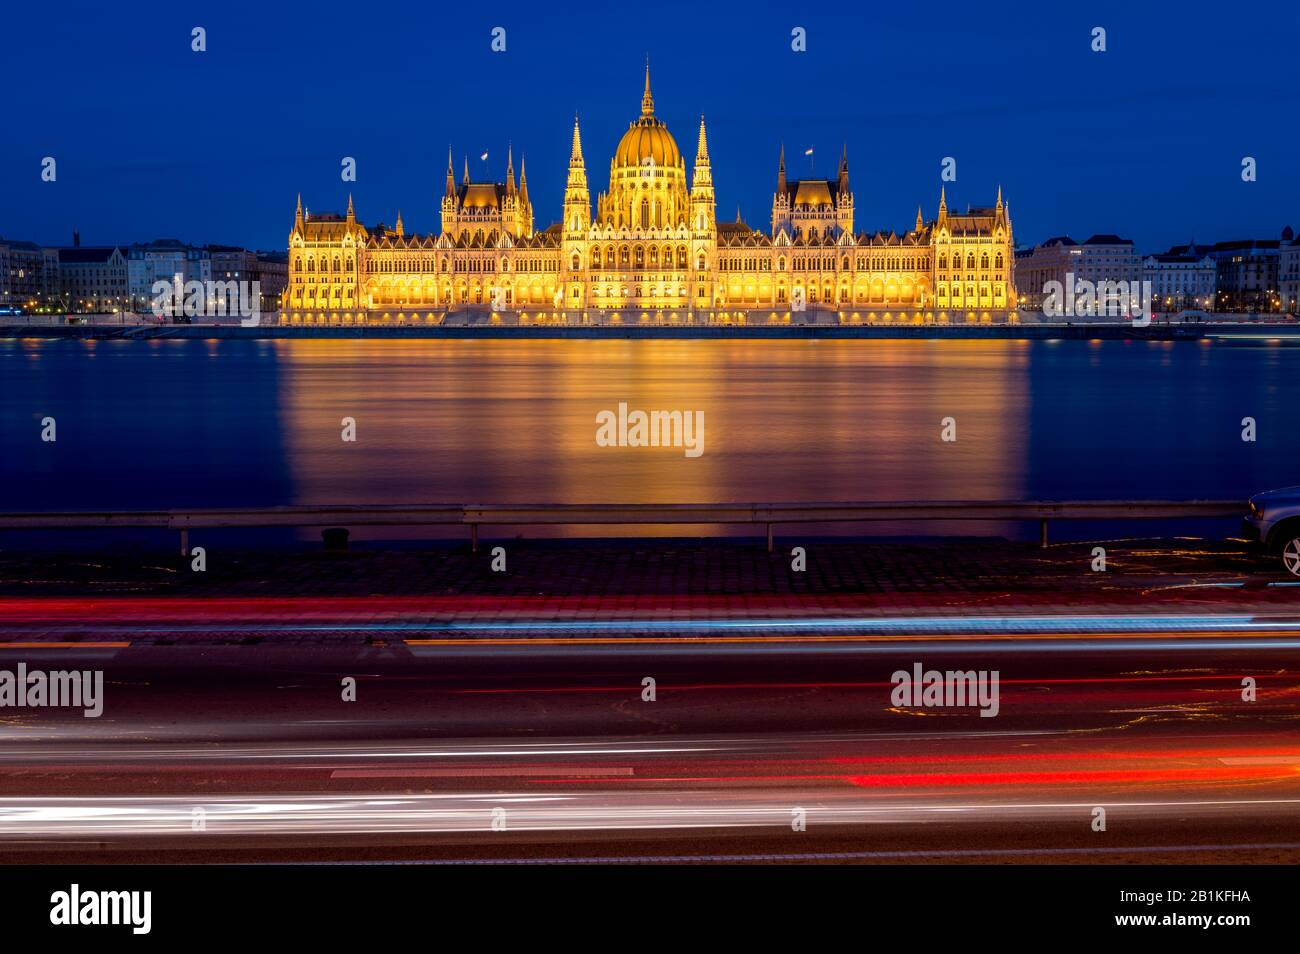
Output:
(154, 140)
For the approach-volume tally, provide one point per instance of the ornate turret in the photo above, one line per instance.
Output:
(647, 101)
(703, 209)
(577, 199)
(450, 192)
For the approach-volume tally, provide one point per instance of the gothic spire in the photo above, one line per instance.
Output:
(575, 153)
(647, 101)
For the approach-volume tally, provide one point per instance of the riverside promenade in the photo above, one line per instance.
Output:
(1033, 327)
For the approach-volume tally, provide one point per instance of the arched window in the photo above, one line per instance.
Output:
(984, 260)
(645, 213)
(595, 258)
(970, 261)
(999, 260)
(577, 262)
(699, 263)
(943, 262)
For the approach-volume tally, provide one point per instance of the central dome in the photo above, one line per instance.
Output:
(647, 140)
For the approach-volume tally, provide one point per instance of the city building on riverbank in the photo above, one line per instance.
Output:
(29, 275)
(1288, 271)
(1181, 281)
(654, 252)
(1062, 260)
(93, 279)
(231, 264)
(163, 260)
(1246, 274)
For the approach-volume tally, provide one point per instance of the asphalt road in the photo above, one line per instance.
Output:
(755, 747)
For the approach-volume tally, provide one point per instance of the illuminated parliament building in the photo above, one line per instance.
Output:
(654, 252)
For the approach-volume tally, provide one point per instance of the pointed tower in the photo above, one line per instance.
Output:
(401, 230)
(844, 196)
(298, 219)
(920, 222)
(781, 199)
(525, 206)
(703, 208)
(577, 199)
(465, 180)
(647, 101)
(449, 197)
(943, 208)
(510, 170)
(352, 215)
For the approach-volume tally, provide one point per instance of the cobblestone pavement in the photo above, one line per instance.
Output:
(603, 568)
(691, 578)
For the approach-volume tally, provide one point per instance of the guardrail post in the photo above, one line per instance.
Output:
(1042, 533)
(185, 543)
(769, 538)
(473, 538)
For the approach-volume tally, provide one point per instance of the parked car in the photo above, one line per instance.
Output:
(1274, 523)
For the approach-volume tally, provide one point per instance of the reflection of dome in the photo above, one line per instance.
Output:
(647, 138)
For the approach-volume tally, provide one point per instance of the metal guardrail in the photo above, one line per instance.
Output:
(769, 515)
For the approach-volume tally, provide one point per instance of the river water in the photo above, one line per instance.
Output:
(161, 424)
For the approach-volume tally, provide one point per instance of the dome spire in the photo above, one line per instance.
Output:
(647, 101)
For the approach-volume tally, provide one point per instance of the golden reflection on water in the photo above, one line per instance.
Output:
(497, 421)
